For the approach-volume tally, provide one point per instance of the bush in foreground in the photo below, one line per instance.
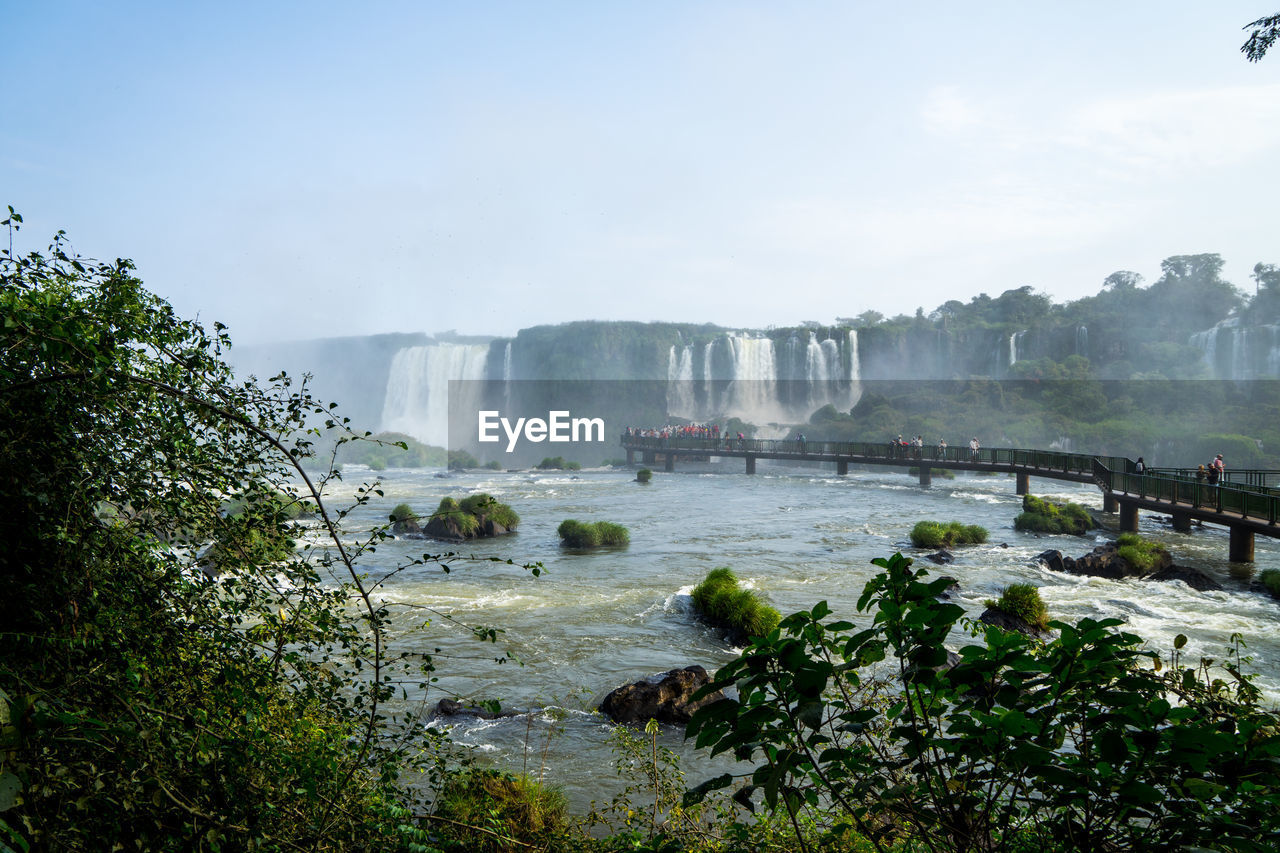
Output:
(1041, 516)
(936, 534)
(722, 602)
(1081, 742)
(488, 810)
(592, 534)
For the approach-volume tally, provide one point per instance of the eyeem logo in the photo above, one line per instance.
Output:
(558, 426)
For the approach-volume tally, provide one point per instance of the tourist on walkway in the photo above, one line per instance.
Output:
(973, 448)
(1139, 467)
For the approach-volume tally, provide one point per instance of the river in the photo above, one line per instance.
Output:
(594, 621)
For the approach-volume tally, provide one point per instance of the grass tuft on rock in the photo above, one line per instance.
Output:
(592, 534)
(1041, 516)
(519, 812)
(936, 534)
(1138, 552)
(721, 601)
(1023, 601)
(644, 475)
(1271, 580)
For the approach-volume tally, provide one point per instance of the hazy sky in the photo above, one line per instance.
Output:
(306, 169)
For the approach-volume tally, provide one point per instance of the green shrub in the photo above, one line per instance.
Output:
(559, 463)
(467, 523)
(1023, 601)
(1140, 553)
(1041, 516)
(961, 754)
(489, 507)
(577, 534)
(394, 449)
(493, 465)
(1271, 580)
(460, 460)
(935, 534)
(644, 475)
(721, 601)
(518, 811)
(403, 512)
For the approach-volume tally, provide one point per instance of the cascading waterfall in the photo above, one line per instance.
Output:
(417, 399)
(749, 377)
(681, 402)
(1082, 341)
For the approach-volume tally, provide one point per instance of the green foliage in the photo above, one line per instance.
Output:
(460, 460)
(487, 506)
(559, 463)
(390, 449)
(1271, 581)
(721, 601)
(449, 509)
(1023, 601)
(936, 534)
(145, 705)
(488, 810)
(493, 465)
(644, 475)
(578, 534)
(1085, 742)
(1143, 554)
(1043, 516)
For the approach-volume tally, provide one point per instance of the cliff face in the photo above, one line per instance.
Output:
(644, 373)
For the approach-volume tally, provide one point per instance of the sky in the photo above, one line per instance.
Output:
(317, 169)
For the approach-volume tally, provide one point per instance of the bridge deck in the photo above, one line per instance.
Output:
(1251, 504)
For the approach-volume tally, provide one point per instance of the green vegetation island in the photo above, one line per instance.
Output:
(742, 613)
(592, 534)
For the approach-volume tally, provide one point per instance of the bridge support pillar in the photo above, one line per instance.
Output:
(926, 475)
(751, 464)
(1182, 522)
(1023, 484)
(670, 462)
(842, 468)
(1109, 503)
(1128, 517)
(648, 457)
(631, 456)
(1241, 545)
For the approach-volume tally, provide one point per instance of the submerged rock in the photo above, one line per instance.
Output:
(454, 708)
(1104, 562)
(1193, 578)
(942, 558)
(666, 697)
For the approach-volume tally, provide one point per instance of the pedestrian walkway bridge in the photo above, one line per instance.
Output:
(1246, 502)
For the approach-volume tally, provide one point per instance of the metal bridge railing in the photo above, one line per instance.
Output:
(1250, 502)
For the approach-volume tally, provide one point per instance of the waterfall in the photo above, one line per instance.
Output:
(507, 372)
(417, 398)
(748, 376)
(855, 366)
(680, 397)
(1082, 341)
(753, 393)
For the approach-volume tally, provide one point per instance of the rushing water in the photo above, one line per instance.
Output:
(595, 621)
